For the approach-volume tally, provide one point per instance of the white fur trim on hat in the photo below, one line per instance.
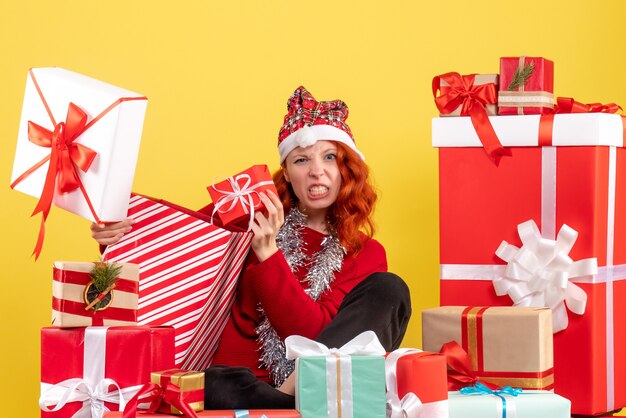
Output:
(309, 135)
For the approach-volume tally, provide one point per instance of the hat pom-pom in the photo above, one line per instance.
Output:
(305, 137)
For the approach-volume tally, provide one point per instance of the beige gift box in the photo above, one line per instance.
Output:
(479, 79)
(70, 279)
(506, 345)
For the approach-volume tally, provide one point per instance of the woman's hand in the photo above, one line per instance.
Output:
(107, 234)
(265, 227)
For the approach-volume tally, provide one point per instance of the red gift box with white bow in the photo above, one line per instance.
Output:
(236, 199)
(416, 384)
(97, 369)
(519, 209)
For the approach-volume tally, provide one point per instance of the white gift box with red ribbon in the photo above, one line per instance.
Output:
(114, 138)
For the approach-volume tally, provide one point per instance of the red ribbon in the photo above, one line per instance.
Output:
(569, 105)
(82, 278)
(461, 91)
(97, 317)
(460, 373)
(65, 156)
(167, 393)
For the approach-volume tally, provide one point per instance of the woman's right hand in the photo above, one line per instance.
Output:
(266, 226)
(107, 234)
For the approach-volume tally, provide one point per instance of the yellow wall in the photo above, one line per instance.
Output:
(218, 75)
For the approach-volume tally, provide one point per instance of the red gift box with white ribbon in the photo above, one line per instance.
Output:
(236, 199)
(188, 274)
(416, 384)
(579, 180)
(97, 369)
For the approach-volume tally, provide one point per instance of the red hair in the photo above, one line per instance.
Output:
(352, 211)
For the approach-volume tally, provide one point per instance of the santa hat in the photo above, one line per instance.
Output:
(308, 121)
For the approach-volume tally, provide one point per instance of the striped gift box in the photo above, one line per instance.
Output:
(188, 274)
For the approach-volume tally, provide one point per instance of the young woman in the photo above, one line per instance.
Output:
(314, 269)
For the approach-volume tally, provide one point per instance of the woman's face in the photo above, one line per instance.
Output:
(314, 176)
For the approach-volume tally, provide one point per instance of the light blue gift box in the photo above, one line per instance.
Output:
(366, 398)
(345, 382)
(528, 404)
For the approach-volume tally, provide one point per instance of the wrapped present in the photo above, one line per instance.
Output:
(482, 402)
(506, 345)
(174, 392)
(96, 369)
(575, 178)
(416, 384)
(484, 80)
(188, 274)
(190, 386)
(83, 162)
(74, 295)
(345, 382)
(237, 198)
(226, 413)
(526, 86)
(453, 92)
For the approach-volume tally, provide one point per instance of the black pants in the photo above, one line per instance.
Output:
(380, 303)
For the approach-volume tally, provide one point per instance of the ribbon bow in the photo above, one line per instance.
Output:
(480, 389)
(539, 273)
(461, 91)
(65, 154)
(65, 157)
(241, 193)
(363, 344)
(569, 105)
(79, 390)
(460, 371)
(157, 395)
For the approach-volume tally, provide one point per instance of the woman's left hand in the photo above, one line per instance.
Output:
(265, 227)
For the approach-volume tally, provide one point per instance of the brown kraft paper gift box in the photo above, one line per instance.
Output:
(506, 345)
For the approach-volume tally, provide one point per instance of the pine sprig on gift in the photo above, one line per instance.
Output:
(521, 76)
(104, 275)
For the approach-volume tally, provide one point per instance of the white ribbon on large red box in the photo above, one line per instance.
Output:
(606, 274)
(364, 344)
(93, 388)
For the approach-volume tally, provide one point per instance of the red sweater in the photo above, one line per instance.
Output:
(281, 294)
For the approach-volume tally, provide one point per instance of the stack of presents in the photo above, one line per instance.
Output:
(532, 257)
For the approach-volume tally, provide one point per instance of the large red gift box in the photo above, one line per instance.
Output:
(534, 95)
(99, 367)
(188, 271)
(416, 384)
(581, 183)
(227, 413)
(237, 198)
